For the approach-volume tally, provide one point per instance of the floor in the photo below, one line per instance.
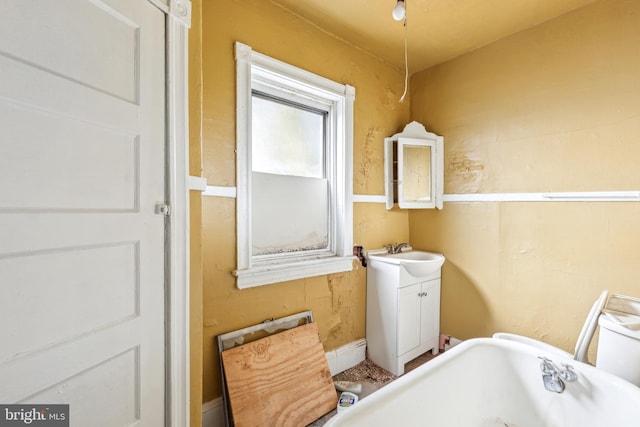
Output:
(372, 377)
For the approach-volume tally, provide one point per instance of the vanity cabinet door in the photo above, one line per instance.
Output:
(430, 312)
(409, 313)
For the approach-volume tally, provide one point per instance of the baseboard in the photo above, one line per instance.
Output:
(347, 356)
(453, 341)
(339, 360)
(213, 413)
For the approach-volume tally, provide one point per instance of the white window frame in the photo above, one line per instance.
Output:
(253, 67)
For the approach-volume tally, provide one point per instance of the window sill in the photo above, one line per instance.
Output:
(276, 273)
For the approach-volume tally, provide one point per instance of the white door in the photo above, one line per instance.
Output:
(82, 165)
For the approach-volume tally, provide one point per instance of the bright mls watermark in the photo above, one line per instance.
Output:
(34, 415)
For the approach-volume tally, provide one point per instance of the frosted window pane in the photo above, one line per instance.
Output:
(290, 214)
(286, 139)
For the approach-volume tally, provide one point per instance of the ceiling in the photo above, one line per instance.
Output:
(438, 30)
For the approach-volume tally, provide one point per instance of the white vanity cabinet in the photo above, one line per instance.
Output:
(418, 318)
(403, 315)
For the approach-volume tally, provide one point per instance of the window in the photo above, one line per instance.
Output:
(294, 172)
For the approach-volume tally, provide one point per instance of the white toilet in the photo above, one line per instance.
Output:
(619, 341)
(584, 339)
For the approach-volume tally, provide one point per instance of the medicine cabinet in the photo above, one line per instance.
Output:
(414, 168)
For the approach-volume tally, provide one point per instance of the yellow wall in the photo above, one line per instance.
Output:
(555, 108)
(338, 300)
(195, 214)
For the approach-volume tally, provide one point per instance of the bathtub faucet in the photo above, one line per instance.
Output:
(396, 249)
(554, 377)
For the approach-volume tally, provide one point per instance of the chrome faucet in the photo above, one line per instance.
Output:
(554, 378)
(396, 248)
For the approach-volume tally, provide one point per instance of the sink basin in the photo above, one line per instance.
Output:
(417, 263)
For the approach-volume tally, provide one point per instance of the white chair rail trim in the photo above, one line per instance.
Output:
(580, 196)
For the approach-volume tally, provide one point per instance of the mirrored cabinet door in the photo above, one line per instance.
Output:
(414, 168)
(416, 188)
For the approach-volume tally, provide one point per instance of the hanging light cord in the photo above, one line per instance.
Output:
(406, 63)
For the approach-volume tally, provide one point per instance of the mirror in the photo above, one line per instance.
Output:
(414, 171)
(414, 168)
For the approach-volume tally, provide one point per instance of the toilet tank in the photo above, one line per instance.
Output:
(619, 341)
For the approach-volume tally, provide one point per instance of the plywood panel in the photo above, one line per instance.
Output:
(282, 380)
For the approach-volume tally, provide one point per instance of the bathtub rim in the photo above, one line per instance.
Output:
(398, 385)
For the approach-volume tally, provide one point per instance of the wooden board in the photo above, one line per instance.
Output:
(279, 380)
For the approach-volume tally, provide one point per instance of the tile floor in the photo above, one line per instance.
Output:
(372, 377)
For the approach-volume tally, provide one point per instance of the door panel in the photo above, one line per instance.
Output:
(82, 165)
(430, 325)
(103, 277)
(88, 400)
(79, 43)
(105, 178)
(408, 318)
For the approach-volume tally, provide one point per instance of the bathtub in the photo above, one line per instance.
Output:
(486, 382)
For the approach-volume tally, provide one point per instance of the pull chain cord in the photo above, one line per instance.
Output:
(406, 63)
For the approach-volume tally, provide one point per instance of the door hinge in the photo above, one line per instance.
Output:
(163, 209)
